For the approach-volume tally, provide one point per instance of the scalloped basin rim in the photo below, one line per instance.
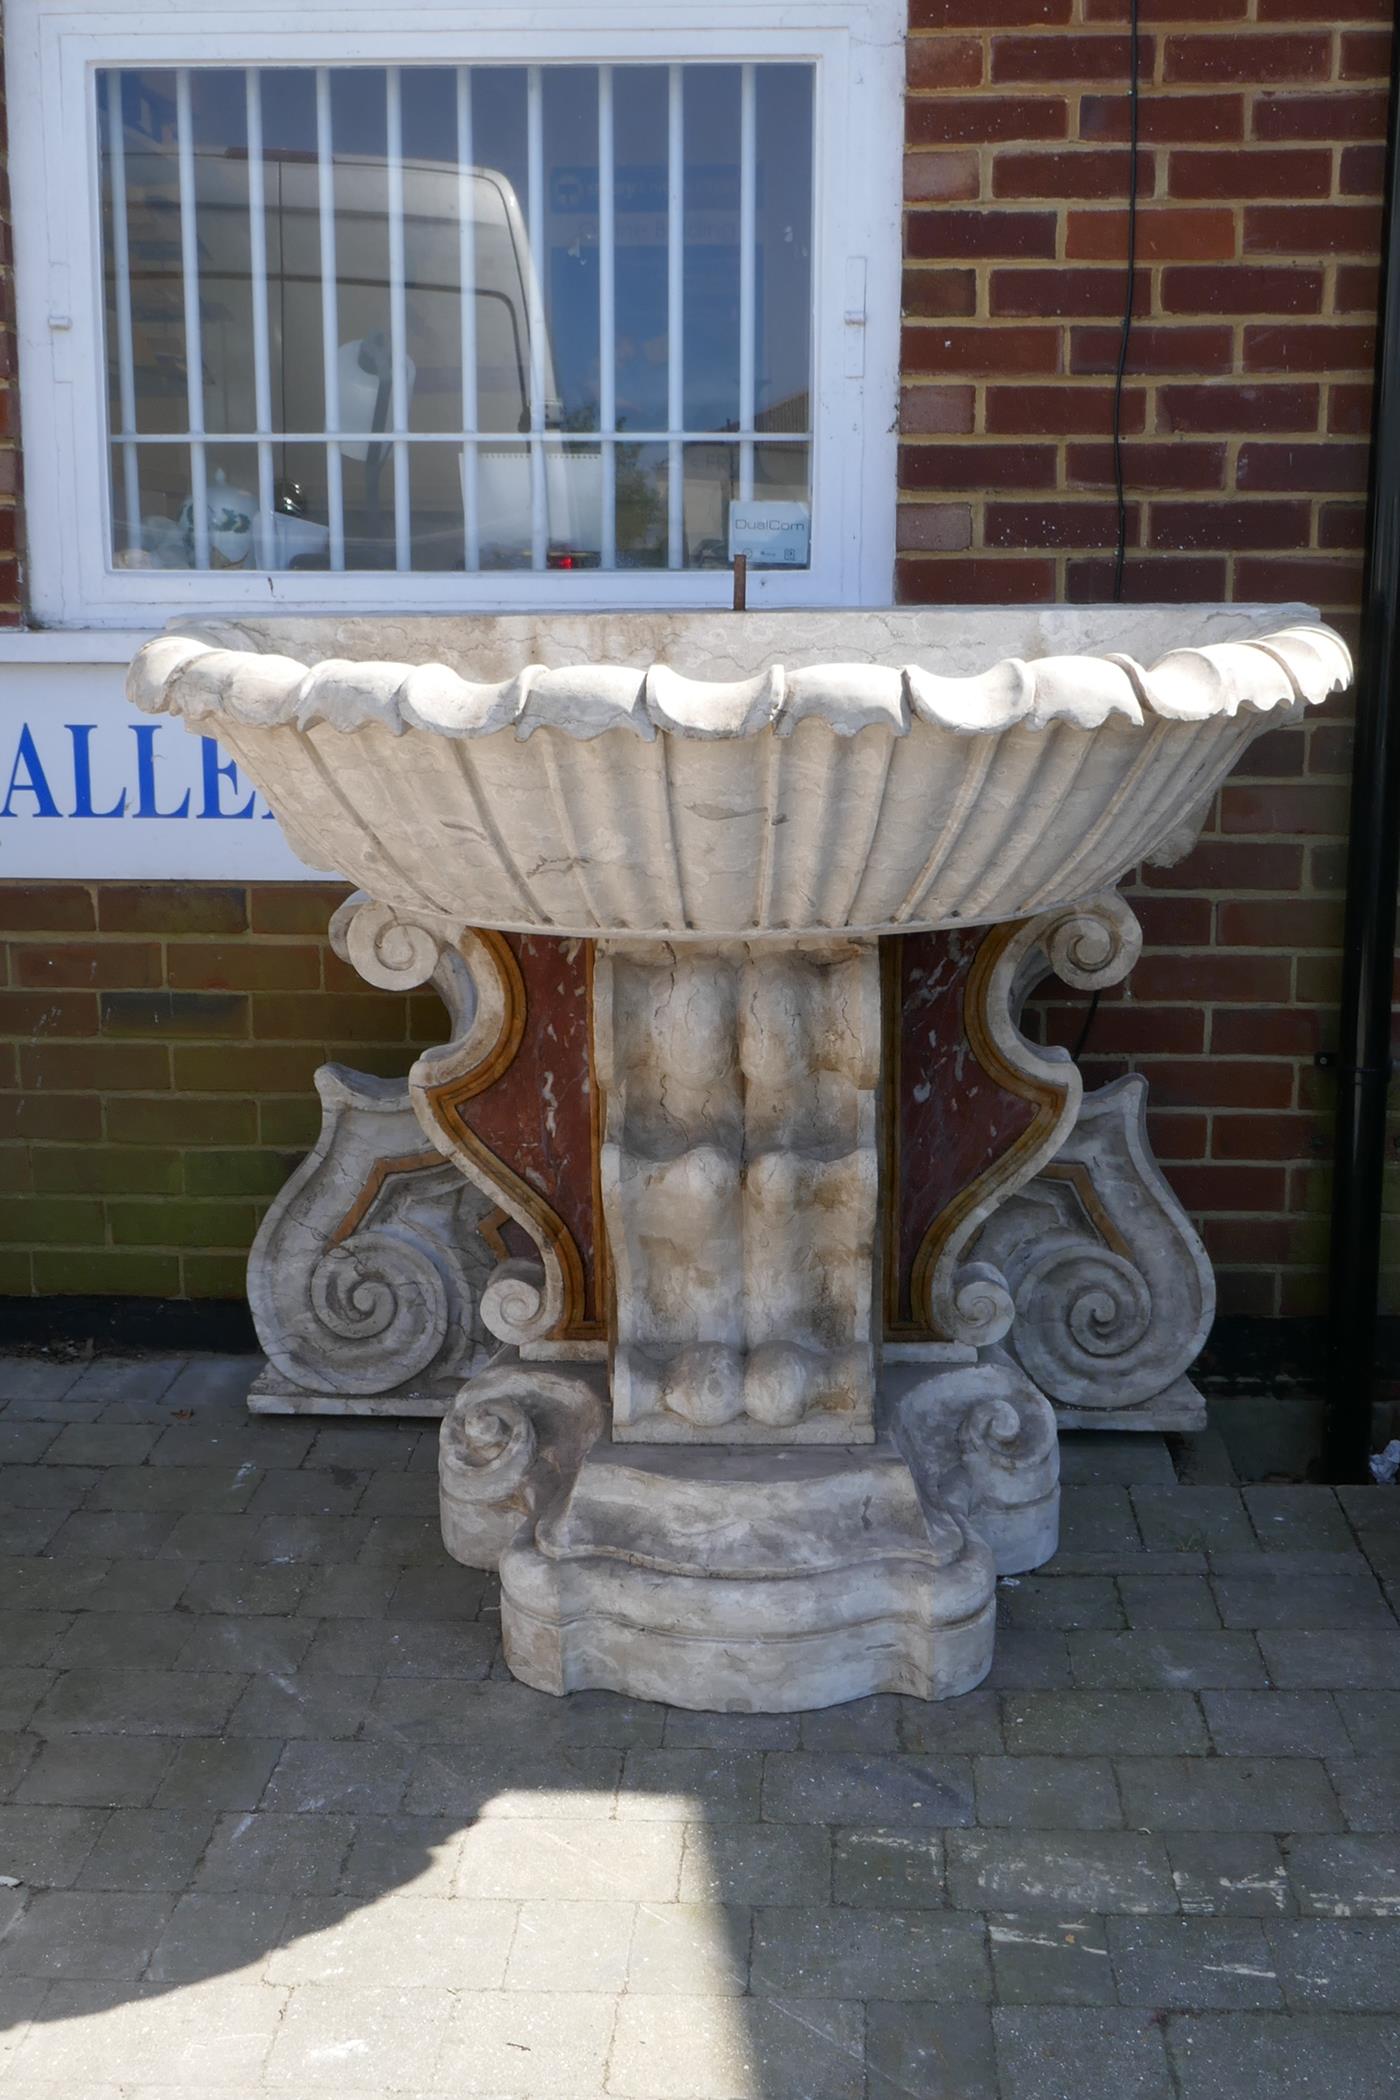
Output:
(703, 778)
(194, 672)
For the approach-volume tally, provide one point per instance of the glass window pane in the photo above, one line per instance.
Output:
(411, 186)
(783, 248)
(639, 184)
(710, 393)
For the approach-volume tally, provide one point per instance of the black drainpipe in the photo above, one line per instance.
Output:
(1373, 874)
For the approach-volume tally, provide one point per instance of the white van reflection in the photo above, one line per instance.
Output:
(565, 490)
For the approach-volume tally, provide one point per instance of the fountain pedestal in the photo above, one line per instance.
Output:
(758, 1501)
(790, 1239)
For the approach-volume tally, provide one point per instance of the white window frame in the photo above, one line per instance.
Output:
(55, 48)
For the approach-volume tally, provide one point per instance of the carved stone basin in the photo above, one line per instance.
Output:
(702, 775)
(785, 1463)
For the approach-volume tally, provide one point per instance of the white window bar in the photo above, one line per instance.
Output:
(398, 315)
(462, 437)
(748, 215)
(330, 323)
(466, 250)
(607, 320)
(266, 554)
(534, 158)
(194, 340)
(675, 315)
(126, 356)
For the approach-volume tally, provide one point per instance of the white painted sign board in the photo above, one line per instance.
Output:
(771, 535)
(91, 790)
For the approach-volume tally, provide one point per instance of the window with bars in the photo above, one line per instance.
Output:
(435, 318)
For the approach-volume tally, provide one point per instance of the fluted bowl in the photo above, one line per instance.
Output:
(758, 774)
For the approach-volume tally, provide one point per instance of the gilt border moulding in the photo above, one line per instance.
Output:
(758, 1501)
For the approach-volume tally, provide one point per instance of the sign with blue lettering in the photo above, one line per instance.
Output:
(92, 790)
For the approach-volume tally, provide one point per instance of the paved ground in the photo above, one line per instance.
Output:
(277, 1821)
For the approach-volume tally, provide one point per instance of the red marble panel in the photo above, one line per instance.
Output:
(949, 1120)
(538, 1117)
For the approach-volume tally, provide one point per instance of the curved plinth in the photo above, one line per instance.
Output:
(750, 1582)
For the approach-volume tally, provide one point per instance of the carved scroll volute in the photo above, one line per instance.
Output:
(1114, 1292)
(478, 980)
(1088, 945)
(369, 1299)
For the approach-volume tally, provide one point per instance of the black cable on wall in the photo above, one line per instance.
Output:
(1125, 337)
(1125, 333)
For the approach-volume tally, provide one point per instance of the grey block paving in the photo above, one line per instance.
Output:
(1335, 1661)
(1051, 2052)
(1281, 1724)
(938, 2052)
(834, 1953)
(1227, 1793)
(275, 1819)
(1051, 1960)
(1260, 2056)
(1113, 1723)
(1327, 1965)
(1180, 1661)
(1109, 1870)
(1230, 1874)
(1194, 1964)
(888, 1868)
(1062, 1793)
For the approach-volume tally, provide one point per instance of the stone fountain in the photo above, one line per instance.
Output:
(791, 1226)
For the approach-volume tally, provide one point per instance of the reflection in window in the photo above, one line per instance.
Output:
(437, 318)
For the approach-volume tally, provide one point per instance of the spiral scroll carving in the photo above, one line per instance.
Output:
(515, 1305)
(1008, 1445)
(982, 1308)
(1094, 945)
(1112, 1286)
(394, 953)
(386, 1294)
(490, 1446)
(980, 1438)
(364, 1275)
(1090, 945)
(509, 1446)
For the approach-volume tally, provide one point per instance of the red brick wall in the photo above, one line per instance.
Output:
(156, 1046)
(1247, 410)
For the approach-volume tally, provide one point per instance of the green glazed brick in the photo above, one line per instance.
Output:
(180, 1119)
(16, 1169)
(94, 1271)
(16, 1272)
(100, 1067)
(319, 1016)
(295, 1120)
(52, 1221)
(247, 1069)
(183, 1224)
(214, 1275)
(71, 1118)
(249, 1173)
(243, 966)
(106, 1170)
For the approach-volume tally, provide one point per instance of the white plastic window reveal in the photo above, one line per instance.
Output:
(399, 313)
